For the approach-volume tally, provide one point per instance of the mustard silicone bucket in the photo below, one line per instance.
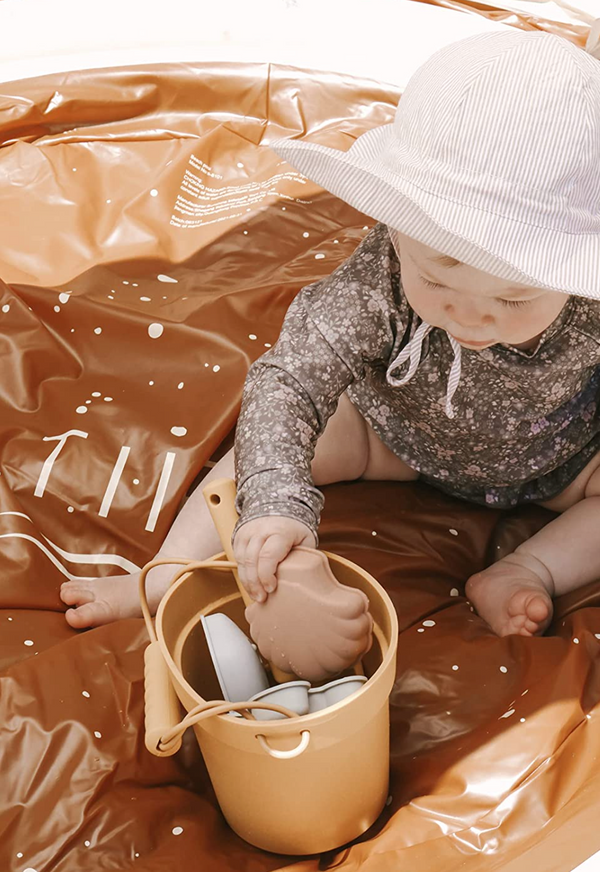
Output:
(301, 785)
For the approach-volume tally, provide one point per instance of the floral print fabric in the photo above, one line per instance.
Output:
(526, 421)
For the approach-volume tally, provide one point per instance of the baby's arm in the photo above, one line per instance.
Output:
(332, 331)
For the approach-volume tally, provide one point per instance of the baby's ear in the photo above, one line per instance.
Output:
(592, 45)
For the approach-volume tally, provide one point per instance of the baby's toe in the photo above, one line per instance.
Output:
(537, 609)
(91, 614)
(530, 627)
(74, 595)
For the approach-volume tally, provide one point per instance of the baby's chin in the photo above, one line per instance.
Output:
(480, 346)
(475, 346)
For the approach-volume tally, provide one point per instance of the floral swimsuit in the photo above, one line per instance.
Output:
(499, 427)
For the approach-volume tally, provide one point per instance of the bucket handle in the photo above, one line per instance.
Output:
(286, 755)
(164, 730)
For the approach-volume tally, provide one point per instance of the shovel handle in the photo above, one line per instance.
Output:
(220, 499)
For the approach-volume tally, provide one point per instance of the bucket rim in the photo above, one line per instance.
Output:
(286, 725)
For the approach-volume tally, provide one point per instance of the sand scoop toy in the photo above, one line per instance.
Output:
(312, 627)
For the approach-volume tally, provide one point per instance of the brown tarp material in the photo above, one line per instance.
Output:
(151, 244)
(574, 23)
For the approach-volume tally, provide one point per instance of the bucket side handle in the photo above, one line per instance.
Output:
(286, 755)
(169, 741)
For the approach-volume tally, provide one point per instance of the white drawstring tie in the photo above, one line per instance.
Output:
(413, 351)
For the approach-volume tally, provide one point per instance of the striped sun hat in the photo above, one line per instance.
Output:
(493, 158)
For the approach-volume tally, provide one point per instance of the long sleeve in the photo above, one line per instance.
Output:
(333, 330)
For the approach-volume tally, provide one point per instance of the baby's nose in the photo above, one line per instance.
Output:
(468, 316)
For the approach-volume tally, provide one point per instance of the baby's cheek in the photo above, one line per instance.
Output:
(423, 304)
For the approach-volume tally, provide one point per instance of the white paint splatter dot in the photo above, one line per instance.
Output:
(522, 720)
(110, 296)
(125, 283)
(429, 623)
(507, 714)
(136, 854)
(420, 630)
(134, 285)
(164, 278)
(10, 619)
(245, 233)
(87, 844)
(87, 402)
(216, 367)
(57, 308)
(525, 691)
(74, 169)
(240, 164)
(365, 227)
(98, 330)
(85, 693)
(177, 831)
(70, 509)
(336, 241)
(589, 717)
(28, 642)
(455, 668)
(150, 383)
(306, 234)
(155, 330)
(146, 299)
(180, 385)
(453, 531)
(6, 308)
(64, 298)
(136, 481)
(319, 256)
(252, 336)
(503, 669)
(96, 394)
(206, 364)
(454, 591)
(373, 532)
(389, 800)
(268, 345)
(81, 410)
(178, 431)
(109, 201)
(72, 330)
(154, 192)
(576, 641)
(19, 854)
(597, 635)
(108, 399)
(97, 734)
(283, 208)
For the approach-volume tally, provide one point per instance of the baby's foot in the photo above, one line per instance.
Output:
(511, 596)
(102, 600)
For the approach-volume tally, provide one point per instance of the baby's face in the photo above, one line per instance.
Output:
(476, 308)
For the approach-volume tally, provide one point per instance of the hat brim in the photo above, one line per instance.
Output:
(509, 249)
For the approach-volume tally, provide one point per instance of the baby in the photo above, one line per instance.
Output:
(459, 344)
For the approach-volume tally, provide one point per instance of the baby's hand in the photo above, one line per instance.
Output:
(260, 546)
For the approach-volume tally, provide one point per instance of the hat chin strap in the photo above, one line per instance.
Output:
(412, 351)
